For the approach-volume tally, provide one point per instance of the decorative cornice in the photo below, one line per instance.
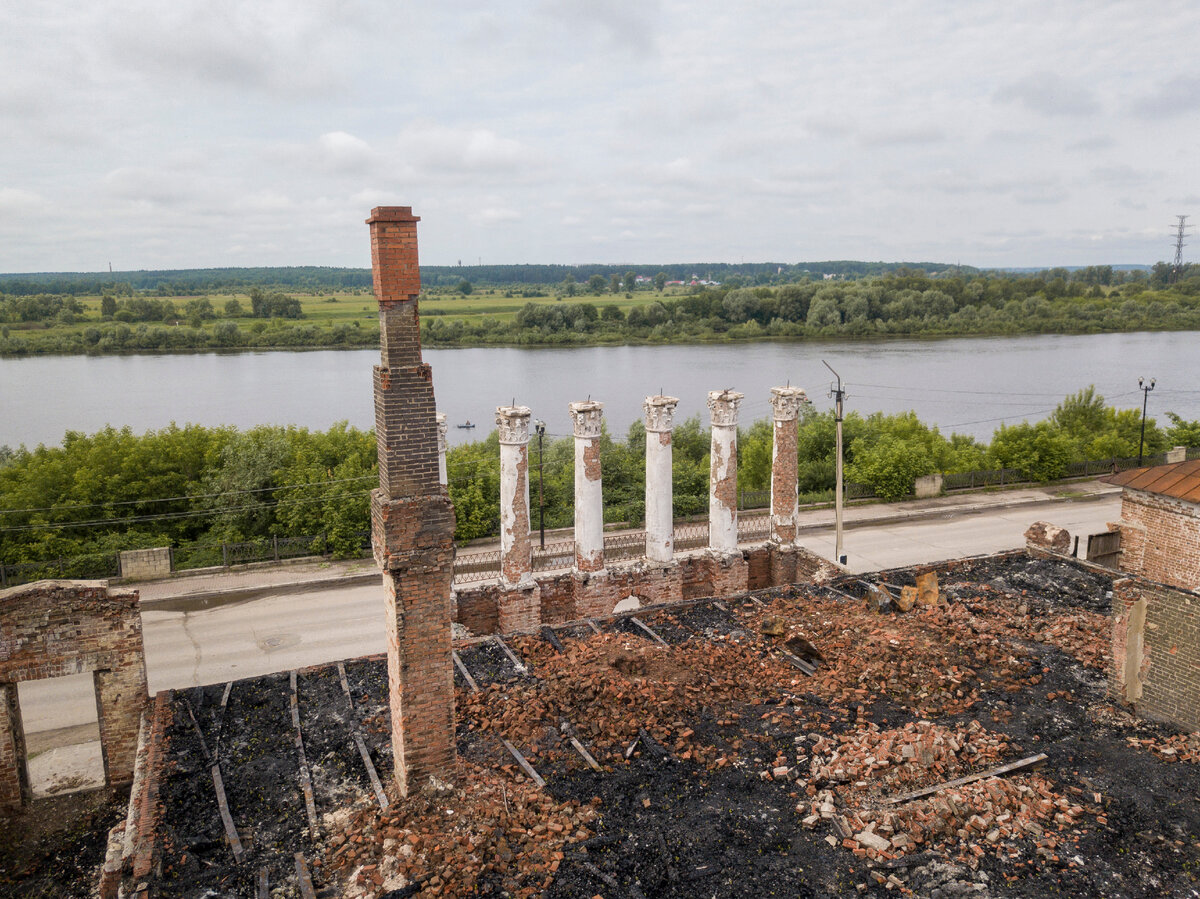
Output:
(787, 402)
(587, 418)
(723, 406)
(513, 424)
(660, 413)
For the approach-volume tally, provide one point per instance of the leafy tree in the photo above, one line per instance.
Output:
(890, 466)
(108, 305)
(660, 281)
(596, 284)
(630, 281)
(464, 287)
(1039, 451)
(233, 308)
(1182, 432)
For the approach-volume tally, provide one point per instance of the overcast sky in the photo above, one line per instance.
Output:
(189, 134)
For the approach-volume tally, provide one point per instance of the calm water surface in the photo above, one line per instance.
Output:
(968, 385)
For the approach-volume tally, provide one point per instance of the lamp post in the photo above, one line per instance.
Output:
(1145, 388)
(839, 395)
(540, 427)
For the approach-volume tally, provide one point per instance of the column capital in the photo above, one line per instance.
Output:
(787, 402)
(660, 413)
(723, 406)
(442, 430)
(587, 417)
(513, 424)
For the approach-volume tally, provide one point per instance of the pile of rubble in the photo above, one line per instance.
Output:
(481, 833)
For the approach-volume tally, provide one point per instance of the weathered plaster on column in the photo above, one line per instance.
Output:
(589, 496)
(516, 564)
(785, 509)
(722, 482)
(443, 477)
(660, 519)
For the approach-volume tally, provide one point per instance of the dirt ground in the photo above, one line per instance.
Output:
(55, 848)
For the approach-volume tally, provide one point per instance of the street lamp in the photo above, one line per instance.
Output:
(1145, 388)
(540, 427)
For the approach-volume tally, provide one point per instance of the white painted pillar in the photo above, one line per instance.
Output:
(589, 496)
(443, 478)
(722, 475)
(785, 509)
(660, 518)
(516, 562)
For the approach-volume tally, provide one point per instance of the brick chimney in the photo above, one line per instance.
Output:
(412, 521)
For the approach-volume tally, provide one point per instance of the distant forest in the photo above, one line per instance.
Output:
(198, 281)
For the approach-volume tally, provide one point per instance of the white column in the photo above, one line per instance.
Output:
(660, 518)
(785, 509)
(516, 563)
(443, 478)
(589, 496)
(722, 475)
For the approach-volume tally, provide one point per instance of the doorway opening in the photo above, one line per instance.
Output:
(62, 735)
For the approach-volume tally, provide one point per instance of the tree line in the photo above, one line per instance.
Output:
(195, 487)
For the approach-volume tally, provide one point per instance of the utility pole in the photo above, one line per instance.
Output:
(839, 395)
(1180, 233)
(1145, 388)
(540, 427)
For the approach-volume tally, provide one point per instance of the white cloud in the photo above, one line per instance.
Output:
(711, 131)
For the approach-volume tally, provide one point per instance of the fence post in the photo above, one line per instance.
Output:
(275, 545)
(171, 558)
(225, 554)
(3, 575)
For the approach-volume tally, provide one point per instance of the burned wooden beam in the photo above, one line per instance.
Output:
(552, 638)
(305, 778)
(650, 743)
(653, 636)
(376, 785)
(1032, 761)
(512, 656)
(303, 878)
(462, 669)
(569, 729)
(345, 684)
(797, 662)
(262, 885)
(593, 625)
(231, 834)
(208, 756)
(525, 766)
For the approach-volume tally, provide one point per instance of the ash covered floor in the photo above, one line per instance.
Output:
(755, 751)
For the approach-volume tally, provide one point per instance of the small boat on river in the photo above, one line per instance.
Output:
(467, 424)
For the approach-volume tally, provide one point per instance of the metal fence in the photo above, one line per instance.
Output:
(554, 555)
(691, 535)
(752, 528)
(970, 480)
(471, 567)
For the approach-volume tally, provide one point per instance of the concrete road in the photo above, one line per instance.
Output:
(276, 633)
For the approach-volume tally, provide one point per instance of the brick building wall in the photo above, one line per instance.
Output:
(1160, 538)
(1156, 651)
(59, 628)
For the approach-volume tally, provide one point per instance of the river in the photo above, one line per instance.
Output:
(965, 385)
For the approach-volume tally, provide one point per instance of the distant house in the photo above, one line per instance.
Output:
(1160, 522)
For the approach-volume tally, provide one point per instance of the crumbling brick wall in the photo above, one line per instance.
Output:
(1156, 651)
(1160, 538)
(59, 628)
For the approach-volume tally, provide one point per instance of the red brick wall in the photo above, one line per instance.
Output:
(1160, 539)
(1156, 651)
(59, 628)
